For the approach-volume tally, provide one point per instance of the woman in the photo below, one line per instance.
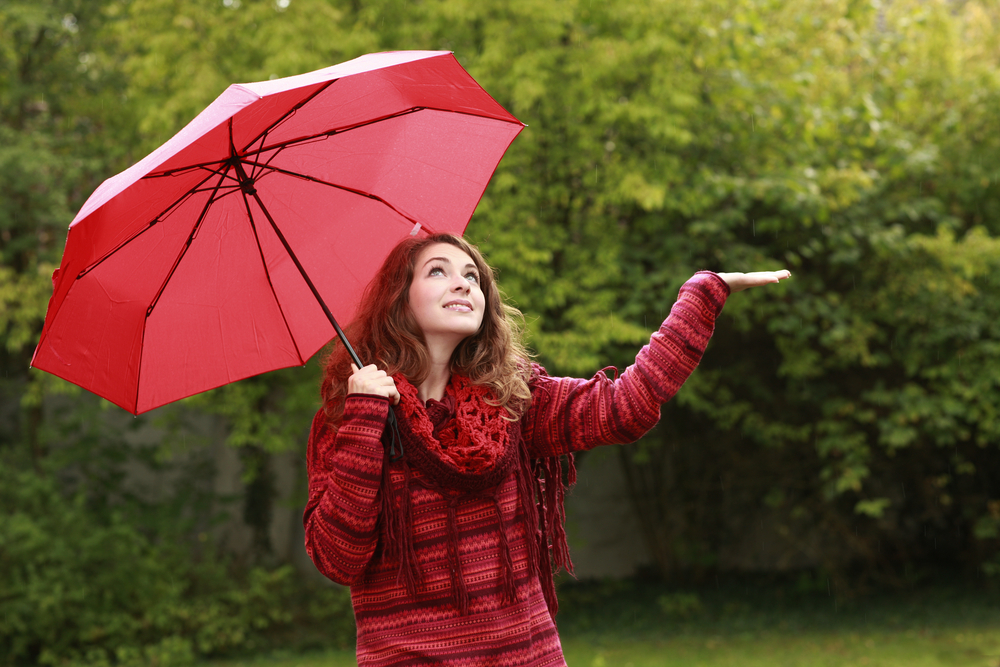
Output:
(449, 549)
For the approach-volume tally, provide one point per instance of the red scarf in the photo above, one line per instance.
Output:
(472, 449)
(470, 457)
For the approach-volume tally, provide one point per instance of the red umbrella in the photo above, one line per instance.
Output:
(235, 247)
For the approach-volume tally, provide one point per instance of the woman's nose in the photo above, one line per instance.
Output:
(461, 284)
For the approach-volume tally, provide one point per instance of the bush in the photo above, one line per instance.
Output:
(82, 590)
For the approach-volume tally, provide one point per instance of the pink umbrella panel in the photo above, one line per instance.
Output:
(235, 247)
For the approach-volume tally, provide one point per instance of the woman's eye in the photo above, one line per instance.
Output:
(436, 271)
(472, 277)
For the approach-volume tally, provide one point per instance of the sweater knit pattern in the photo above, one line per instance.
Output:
(346, 538)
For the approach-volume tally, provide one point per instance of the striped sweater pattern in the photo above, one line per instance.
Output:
(345, 537)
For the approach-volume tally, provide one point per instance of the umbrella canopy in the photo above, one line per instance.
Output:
(233, 248)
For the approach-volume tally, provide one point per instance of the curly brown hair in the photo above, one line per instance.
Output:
(384, 332)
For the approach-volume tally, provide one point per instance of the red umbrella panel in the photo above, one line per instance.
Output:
(235, 247)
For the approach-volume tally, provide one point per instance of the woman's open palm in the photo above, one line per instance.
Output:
(740, 281)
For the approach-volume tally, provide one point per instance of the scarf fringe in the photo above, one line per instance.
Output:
(507, 563)
(459, 589)
(397, 510)
(550, 493)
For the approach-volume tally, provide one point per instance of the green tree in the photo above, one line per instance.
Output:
(54, 92)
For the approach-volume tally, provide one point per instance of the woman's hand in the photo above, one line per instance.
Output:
(371, 380)
(740, 281)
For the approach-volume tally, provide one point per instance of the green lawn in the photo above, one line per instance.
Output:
(874, 649)
(815, 649)
(637, 625)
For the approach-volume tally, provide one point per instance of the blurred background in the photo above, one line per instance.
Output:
(824, 490)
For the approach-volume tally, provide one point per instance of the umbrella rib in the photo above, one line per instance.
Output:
(200, 166)
(329, 133)
(279, 145)
(152, 223)
(265, 165)
(267, 273)
(316, 137)
(163, 285)
(228, 189)
(355, 191)
(187, 245)
(288, 114)
(260, 137)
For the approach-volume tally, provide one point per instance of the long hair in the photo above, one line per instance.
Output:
(384, 332)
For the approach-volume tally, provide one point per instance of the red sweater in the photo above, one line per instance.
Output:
(343, 530)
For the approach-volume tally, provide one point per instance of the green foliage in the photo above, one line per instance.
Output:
(181, 56)
(83, 589)
(831, 138)
(22, 304)
(679, 605)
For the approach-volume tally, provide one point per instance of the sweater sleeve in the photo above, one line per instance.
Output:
(345, 472)
(568, 414)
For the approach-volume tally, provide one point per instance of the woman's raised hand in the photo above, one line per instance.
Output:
(371, 380)
(740, 281)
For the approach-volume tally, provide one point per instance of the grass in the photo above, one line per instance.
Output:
(767, 624)
(817, 649)
(641, 624)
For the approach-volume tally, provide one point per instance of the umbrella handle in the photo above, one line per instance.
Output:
(391, 423)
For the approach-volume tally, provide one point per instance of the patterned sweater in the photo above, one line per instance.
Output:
(343, 530)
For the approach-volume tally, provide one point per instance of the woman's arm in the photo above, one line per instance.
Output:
(568, 414)
(345, 472)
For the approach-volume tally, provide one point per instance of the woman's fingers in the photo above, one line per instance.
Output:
(371, 380)
(740, 281)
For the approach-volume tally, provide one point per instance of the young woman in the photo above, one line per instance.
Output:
(449, 548)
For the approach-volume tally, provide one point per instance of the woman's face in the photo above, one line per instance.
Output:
(445, 296)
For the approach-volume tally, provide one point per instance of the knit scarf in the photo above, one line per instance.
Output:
(469, 459)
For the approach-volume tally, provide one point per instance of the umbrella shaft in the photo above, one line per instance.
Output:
(392, 423)
(305, 277)
(246, 185)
